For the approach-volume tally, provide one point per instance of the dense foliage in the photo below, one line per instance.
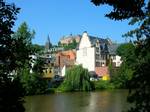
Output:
(23, 45)
(76, 79)
(38, 48)
(11, 59)
(124, 73)
(122, 76)
(33, 83)
(102, 85)
(138, 11)
(38, 65)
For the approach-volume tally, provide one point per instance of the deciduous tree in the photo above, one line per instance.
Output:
(15, 49)
(138, 11)
(10, 90)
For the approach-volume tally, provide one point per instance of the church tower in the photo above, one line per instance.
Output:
(48, 44)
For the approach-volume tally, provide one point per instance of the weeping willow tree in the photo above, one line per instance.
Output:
(77, 79)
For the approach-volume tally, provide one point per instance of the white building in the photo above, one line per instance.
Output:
(115, 59)
(94, 53)
(63, 71)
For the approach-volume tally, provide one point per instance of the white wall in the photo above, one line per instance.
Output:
(63, 71)
(86, 53)
(84, 42)
(87, 61)
(117, 60)
(32, 62)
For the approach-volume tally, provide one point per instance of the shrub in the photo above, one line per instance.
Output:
(33, 83)
(102, 84)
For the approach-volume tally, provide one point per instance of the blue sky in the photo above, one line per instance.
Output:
(58, 18)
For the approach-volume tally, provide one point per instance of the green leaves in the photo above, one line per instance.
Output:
(141, 79)
(135, 59)
(123, 9)
(11, 91)
(77, 79)
(33, 83)
(38, 65)
(22, 45)
(71, 46)
(127, 53)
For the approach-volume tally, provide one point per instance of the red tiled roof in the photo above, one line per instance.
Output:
(101, 71)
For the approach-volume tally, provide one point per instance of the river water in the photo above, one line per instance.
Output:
(102, 101)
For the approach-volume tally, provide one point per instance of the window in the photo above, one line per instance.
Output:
(84, 51)
(97, 57)
(103, 57)
(97, 49)
(102, 64)
(97, 64)
(114, 57)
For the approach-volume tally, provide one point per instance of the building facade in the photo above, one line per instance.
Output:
(93, 53)
(114, 58)
(65, 58)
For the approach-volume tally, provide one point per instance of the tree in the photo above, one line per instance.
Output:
(122, 76)
(15, 51)
(38, 66)
(125, 72)
(23, 47)
(77, 79)
(71, 45)
(126, 51)
(10, 89)
(138, 11)
(38, 48)
(32, 83)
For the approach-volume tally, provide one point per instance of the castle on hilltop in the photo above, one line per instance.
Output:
(69, 39)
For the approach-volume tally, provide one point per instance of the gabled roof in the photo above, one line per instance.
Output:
(95, 39)
(112, 48)
(102, 42)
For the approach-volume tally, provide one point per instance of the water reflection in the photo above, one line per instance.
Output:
(104, 101)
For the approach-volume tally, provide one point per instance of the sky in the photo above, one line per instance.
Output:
(58, 18)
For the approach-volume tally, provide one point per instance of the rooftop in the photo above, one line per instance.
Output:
(112, 48)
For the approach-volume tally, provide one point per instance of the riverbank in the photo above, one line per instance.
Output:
(97, 86)
(97, 101)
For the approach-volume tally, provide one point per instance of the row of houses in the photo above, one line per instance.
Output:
(96, 54)
(93, 53)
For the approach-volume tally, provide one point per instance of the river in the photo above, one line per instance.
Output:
(102, 101)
